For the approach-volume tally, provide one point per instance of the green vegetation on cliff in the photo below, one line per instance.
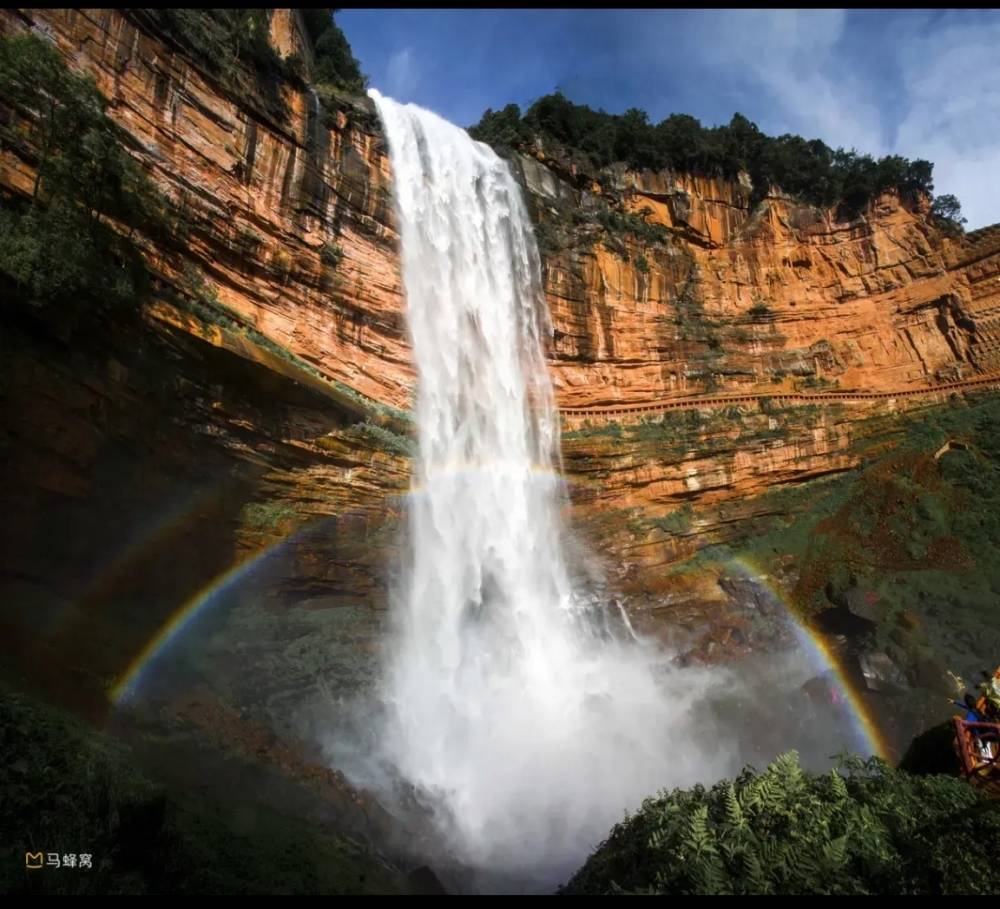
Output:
(867, 829)
(809, 170)
(907, 541)
(72, 240)
(914, 523)
(335, 62)
(233, 46)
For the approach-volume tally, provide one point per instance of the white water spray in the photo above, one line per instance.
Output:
(511, 705)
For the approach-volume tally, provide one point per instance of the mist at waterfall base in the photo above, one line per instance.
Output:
(517, 709)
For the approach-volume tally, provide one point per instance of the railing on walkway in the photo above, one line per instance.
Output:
(611, 411)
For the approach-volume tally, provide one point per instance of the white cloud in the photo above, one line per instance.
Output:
(788, 61)
(933, 92)
(952, 77)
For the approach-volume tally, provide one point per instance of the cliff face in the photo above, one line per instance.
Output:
(795, 331)
(728, 301)
(147, 455)
(261, 197)
(661, 288)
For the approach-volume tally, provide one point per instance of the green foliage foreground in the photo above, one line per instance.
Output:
(867, 829)
(67, 788)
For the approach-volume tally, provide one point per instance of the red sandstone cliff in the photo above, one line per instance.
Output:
(769, 301)
(262, 197)
(784, 293)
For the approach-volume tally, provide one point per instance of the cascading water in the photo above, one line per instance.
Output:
(529, 725)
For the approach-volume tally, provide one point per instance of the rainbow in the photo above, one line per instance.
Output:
(125, 685)
(811, 641)
(144, 542)
(151, 537)
(823, 657)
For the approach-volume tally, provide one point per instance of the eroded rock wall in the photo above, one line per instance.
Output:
(683, 292)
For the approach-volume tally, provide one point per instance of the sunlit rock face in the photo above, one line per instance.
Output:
(733, 300)
(262, 197)
(685, 292)
(779, 298)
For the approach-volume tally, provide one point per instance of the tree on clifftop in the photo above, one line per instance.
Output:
(335, 61)
(807, 169)
(948, 212)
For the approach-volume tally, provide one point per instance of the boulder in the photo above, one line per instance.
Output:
(880, 672)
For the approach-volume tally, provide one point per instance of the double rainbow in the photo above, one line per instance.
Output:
(813, 643)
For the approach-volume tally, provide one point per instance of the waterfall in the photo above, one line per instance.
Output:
(528, 713)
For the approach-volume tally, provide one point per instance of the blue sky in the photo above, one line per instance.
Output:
(920, 83)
